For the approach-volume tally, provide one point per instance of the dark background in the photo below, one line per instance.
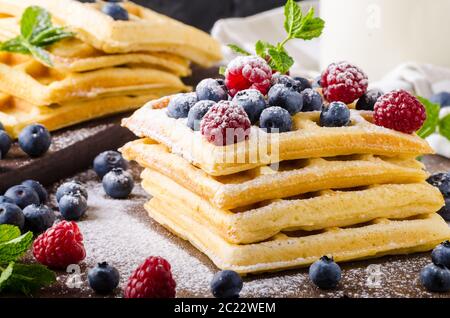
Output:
(203, 13)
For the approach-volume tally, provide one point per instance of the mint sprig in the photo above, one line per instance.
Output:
(36, 33)
(14, 276)
(444, 126)
(297, 26)
(432, 119)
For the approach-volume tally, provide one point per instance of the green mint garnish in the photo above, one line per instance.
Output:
(297, 26)
(16, 277)
(36, 33)
(432, 120)
(444, 126)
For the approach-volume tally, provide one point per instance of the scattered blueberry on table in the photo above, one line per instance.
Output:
(103, 278)
(38, 218)
(108, 160)
(226, 284)
(118, 183)
(325, 273)
(35, 140)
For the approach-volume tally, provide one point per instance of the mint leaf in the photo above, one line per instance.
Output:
(13, 249)
(50, 36)
(444, 126)
(310, 27)
(5, 275)
(432, 120)
(40, 54)
(292, 18)
(8, 232)
(34, 20)
(222, 70)
(262, 49)
(14, 45)
(238, 49)
(280, 60)
(28, 278)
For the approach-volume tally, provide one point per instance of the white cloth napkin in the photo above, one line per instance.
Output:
(420, 79)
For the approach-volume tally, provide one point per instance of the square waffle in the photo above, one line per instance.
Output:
(73, 55)
(308, 212)
(24, 77)
(145, 31)
(307, 140)
(295, 249)
(286, 179)
(16, 113)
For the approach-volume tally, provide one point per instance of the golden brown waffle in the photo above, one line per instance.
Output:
(15, 113)
(294, 249)
(311, 211)
(23, 77)
(307, 140)
(146, 30)
(287, 179)
(73, 55)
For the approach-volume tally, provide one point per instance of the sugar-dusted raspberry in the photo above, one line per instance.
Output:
(399, 110)
(60, 246)
(152, 279)
(343, 82)
(248, 72)
(225, 123)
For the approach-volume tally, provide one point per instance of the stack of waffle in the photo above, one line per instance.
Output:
(107, 67)
(284, 200)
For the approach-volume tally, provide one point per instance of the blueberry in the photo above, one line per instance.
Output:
(368, 100)
(180, 105)
(103, 278)
(71, 187)
(108, 160)
(35, 140)
(442, 182)
(226, 284)
(118, 183)
(435, 278)
(197, 112)
(4, 199)
(253, 103)
(5, 143)
(442, 98)
(441, 254)
(336, 114)
(72, 206)
(38, 218)
(325, 273)
(11, 214)
(312, 100)
(316, 82)
(445, 210)
(115, 11)
(285, 80)
(23, 196)
(212, 89)
(40, 190)
(275, 119)
(285, 97)
(304, 83)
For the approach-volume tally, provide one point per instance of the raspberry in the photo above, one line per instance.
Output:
(399, 110)
(60, 246)
(225, 123)
(343, 82)
(248, 72)
(152, 279)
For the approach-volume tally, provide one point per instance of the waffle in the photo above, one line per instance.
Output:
(145, 31)
(15, 113)
(295, 249)
(24, 77)
(312, 211)
(307, 140)
(73, 55)
(287, 179)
